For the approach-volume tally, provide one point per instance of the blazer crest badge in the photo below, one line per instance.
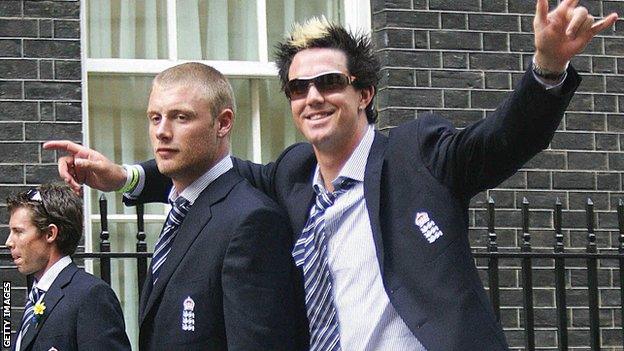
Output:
(188, 314)
(428, 227)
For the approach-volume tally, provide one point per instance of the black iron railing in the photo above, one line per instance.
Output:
(558, 254)
(492, 253)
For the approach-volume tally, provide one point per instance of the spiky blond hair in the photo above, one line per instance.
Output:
(314, 28)
(318, 32)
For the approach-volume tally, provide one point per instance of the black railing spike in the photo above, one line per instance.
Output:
(493, 282)
(526, 236)
(492, 247)
(141, 246)
(104, 214)
(592, 279)
(558, 225)
(589, 211)
(105, 270)
(620, 213)
(560, 294)
(491, 217)
(140, 210)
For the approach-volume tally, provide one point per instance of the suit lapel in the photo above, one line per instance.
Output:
(372, 190)
(50, 300)
(198, 216)
(303, 198)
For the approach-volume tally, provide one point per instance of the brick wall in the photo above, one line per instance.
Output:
(40, 98)
(460, 58)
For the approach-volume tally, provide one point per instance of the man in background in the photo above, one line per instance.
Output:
(67, 308)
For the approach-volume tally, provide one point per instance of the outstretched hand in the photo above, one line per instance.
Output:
(85, 166)
(564, 32)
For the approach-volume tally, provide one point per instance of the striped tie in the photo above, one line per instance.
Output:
(165, 241)
(29, 309)
(310, 251)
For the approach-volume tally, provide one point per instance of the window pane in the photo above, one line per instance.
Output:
(217, 30)
(118, 127)
(242, 145)
(127, 29)
(278, 129)
(281, 14)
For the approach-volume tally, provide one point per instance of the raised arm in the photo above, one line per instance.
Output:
(489, 151)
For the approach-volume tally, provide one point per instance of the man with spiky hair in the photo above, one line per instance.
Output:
(381, 222)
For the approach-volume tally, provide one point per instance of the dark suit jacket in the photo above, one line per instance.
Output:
(82, 313)
(427, 166)
(232, 257)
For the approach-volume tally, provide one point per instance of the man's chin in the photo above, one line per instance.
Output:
(165, 169)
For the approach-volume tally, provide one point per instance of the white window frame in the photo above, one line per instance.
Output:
(357, 17)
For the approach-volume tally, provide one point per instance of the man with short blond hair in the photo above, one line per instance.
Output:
(221, 277)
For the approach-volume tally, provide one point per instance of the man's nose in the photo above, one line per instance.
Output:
(163, 130)
(313, 96)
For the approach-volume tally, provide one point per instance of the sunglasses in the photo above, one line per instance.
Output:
(325, 83)
(33, 194)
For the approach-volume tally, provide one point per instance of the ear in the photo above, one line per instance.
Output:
(224, 121)
(51, 233)
(367, 96)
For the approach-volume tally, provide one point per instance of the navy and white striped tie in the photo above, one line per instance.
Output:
(176, 215)
(310, 251)
(29, 309)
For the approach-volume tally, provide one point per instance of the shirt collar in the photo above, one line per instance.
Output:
(191, 193)
(355, 167)
(50, 275)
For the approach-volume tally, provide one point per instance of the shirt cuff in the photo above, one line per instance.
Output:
(550, 85)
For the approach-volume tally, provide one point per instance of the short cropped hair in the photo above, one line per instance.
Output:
(216, 88)
(319, 33)
(53, 204)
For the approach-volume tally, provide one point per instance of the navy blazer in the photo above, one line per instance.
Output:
(427, 166)
(82, 313)
(231, 258)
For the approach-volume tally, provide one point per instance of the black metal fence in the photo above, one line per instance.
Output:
(491, 254)
(559, 255)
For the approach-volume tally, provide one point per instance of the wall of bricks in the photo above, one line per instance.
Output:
(40, 98)
(459, 59)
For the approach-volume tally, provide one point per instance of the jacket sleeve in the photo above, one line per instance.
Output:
(489, 151)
